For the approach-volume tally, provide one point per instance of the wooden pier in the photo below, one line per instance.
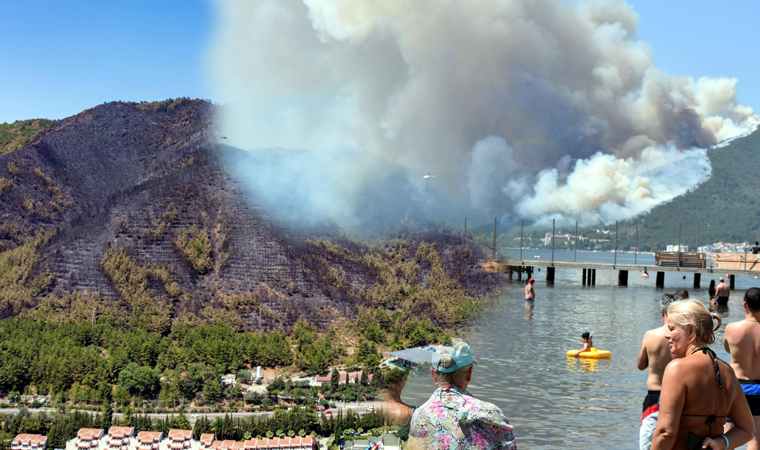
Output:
(518, 267)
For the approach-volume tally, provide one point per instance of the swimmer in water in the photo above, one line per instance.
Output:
(588, 344)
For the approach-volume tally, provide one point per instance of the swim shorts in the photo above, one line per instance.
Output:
(751, 390)
(649, 415)
(529, 300)
(723, 301)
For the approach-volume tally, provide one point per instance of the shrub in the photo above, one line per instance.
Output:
(195, 244)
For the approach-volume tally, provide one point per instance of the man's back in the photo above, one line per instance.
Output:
(722, 290)
(658, 356)
(529, 292)
(742, 340)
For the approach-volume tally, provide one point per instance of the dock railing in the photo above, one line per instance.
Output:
(680, 259)
(736, 261)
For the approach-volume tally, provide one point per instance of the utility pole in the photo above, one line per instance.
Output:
(679, 244)
(522, 223)
(616, 233)
(465, 228)
(575, 251)
(553, 220)
(494, 239)
(746, 244)
(636, 255)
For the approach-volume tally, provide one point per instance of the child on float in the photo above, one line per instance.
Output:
(588, 344)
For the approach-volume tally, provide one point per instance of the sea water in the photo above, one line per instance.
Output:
(556, 402)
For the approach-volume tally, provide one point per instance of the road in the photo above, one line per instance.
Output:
(356, 407)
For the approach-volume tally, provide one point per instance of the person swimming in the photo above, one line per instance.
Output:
(588, 344)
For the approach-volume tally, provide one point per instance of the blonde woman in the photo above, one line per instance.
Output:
(699, 391)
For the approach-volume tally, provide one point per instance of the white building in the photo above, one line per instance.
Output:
(674, 248)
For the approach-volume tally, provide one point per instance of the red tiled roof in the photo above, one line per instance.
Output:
(88, 434)
(121, 432)
(180, 435)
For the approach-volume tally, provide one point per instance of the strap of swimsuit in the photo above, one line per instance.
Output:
(714, 359)
(409, 419)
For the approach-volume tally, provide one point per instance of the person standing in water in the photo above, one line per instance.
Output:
(530, 294)
(722, 291)
(742, 341)
(655, 355)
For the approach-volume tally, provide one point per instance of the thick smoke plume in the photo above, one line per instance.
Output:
(526, 108)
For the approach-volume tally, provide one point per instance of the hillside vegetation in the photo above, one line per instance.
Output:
(723, 206)
(15, 135)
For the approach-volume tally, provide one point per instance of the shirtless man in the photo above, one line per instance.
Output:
(742, 341)
(722, 291)
(654, 354)
(530, 294)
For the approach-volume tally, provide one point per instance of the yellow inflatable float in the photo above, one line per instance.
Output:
(594, 353)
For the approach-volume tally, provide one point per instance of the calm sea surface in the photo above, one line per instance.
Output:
(555, 402)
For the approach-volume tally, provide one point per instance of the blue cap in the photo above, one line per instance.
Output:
(462, 356)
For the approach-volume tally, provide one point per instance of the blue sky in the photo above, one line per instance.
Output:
(58, 58)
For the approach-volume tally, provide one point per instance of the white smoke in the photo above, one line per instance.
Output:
(540, 108)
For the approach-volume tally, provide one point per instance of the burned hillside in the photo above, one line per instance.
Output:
(128, 208)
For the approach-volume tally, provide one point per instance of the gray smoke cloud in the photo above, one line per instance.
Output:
(528, 108)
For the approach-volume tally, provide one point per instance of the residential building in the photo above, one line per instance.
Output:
(29, 442)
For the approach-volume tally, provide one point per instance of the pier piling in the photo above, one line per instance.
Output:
(593, 277)
(660, 281)
(733, 281)
(550, 275)
(584, 277)
(622, 278)
(697, 277)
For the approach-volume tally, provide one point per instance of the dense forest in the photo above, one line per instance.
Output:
(84, 363)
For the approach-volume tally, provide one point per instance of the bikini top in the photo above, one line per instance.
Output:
(711, 419)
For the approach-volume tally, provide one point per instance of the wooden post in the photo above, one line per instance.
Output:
(584, 277)
(529, 272)
(522, 223)
(593, 277)
(550, 274)
(733, 282)
(697, 277)
(519, 274)
(509, 273)
(660, 281)
(622, 278)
